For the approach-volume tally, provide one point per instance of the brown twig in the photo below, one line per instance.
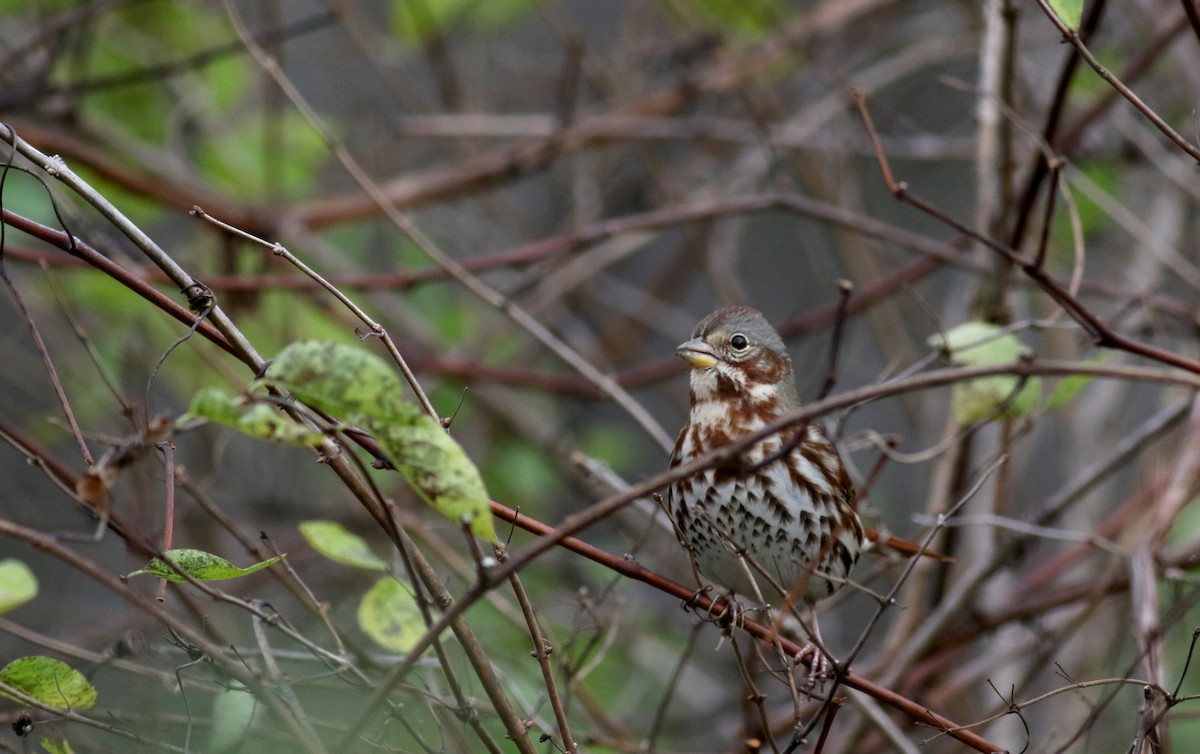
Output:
(100, 575)
(470, 282)
(78, 248)
(1072, 37)
(1191, 9)
(541, 652)
(48, 362)
(1102, 334)
(634, 570)
(168, 452)
(845, 290)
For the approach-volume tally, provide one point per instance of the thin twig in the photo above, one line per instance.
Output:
(1102, 334)
(56, 167)
(168, 452)
(49, 364)
(92, 570)
(605, 382)
(541, 652)
(1072, 36)
(376, 329)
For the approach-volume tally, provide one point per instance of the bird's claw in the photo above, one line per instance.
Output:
(691, 602)
(725, 610)
(820, 668)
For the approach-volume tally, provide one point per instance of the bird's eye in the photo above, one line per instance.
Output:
(739, 342)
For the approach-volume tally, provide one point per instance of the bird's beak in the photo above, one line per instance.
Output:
(697, 353)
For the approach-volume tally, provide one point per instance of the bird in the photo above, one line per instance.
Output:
(778, 523)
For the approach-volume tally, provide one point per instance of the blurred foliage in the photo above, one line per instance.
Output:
(507, 123)
(237, 157)
(418, 21)
(751, 19)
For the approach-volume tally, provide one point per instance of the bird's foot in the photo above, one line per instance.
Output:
(692, 602)
(725, 610)
(820, 668)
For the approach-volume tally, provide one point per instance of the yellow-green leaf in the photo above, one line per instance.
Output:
(56, 745)
(441, 16)
(982, 344)
(265, 422)
(345, 381)
(333, 541)
(261, 420)
(50, 681)
(200, 565)
(18, 585)
(1069, 387)
(436, 467)
(360, 388)
(214, 405)
(979, 344)
(992, 398)
(1070, 12)
(232, 712)
(389, 615)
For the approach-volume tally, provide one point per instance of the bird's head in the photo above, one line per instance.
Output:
(736, 355)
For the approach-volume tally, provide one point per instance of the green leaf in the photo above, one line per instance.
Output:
(981, 344)
(226, 81)
(341, 380)
(361, 388)
(333, 541)
(265, 422)
(215, 405)
(389, 615)
(1070, 12)
(232, 712)
(1093, 216)
(24, 6)
(754, 19)
(200, 565)
(990, 398)
(18, 585)
(436, 467)
(420, 21)
(261, 420)
(55, 745)
(1067, 388)
(50, 681)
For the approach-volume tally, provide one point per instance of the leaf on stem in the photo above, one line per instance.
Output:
(981, 344)
(436, 466)
(341, 380)
(261, 420)
(50, 681)
(360, 388)
(200, 565)
(332, 540)
(389, 615)
(1070, 12)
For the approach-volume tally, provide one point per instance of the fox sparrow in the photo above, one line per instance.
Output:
(786, 507)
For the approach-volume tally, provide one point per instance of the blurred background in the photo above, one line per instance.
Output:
(617, 170)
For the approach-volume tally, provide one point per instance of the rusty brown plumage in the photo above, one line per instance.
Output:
(791, 514)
